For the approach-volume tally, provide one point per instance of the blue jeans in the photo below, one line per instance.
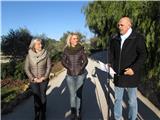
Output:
(74, 84)
(132, 95)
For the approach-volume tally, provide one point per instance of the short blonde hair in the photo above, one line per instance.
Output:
(69, 38)
(33, 41)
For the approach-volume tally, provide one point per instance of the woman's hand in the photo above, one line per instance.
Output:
(37, 80)
(42, 79)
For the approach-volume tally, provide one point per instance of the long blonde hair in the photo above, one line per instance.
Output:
(68, 43)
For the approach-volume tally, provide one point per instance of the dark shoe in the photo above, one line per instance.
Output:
(78, 118)
(73, 114)
(44, 107)
(37, 114)
(42, 115)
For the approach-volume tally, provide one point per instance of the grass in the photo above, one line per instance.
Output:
(11, 90)
(8, 94)
(57, 67)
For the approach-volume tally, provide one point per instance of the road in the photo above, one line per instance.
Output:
(98, 98)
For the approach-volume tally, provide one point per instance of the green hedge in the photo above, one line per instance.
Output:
(13, 70)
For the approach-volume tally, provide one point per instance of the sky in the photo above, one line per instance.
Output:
(51, 18)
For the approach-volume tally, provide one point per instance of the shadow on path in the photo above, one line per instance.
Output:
(144, 112)
(58, 102)
(58, 105)
(90, 109)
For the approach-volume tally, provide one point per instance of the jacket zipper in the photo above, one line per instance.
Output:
(119, 60)
(37, 69)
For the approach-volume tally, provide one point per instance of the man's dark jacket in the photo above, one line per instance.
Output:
(132, 55)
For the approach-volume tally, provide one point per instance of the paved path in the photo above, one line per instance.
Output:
(95, 98)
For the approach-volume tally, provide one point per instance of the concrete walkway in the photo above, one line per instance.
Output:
(95, 98)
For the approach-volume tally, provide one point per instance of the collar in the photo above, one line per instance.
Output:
(125, 36)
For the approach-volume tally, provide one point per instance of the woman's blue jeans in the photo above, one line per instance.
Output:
(132, 95)
(75, 84)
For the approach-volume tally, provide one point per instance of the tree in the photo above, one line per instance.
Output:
(102, 18)
(16, 43)
(52, 46)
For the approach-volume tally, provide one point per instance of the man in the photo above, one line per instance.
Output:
(127, 55)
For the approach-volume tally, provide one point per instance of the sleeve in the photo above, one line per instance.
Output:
(111, 52)
(84, 59)
(48, 69)
(64, 60)
(27, 69)
(141, 54)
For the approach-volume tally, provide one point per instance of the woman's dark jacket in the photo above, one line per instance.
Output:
(132, 55)
(74, 60)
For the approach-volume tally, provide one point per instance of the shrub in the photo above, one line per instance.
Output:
(13, 70)
(7, 69)
(19, 72)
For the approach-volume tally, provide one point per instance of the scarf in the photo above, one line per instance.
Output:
(73, 50)
(37, 57)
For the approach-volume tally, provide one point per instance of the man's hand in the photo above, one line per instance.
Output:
(129, 71)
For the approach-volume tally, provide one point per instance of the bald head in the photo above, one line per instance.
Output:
(124, 24)
(127, 21)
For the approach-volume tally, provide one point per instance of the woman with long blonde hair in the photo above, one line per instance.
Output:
(75, 60)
